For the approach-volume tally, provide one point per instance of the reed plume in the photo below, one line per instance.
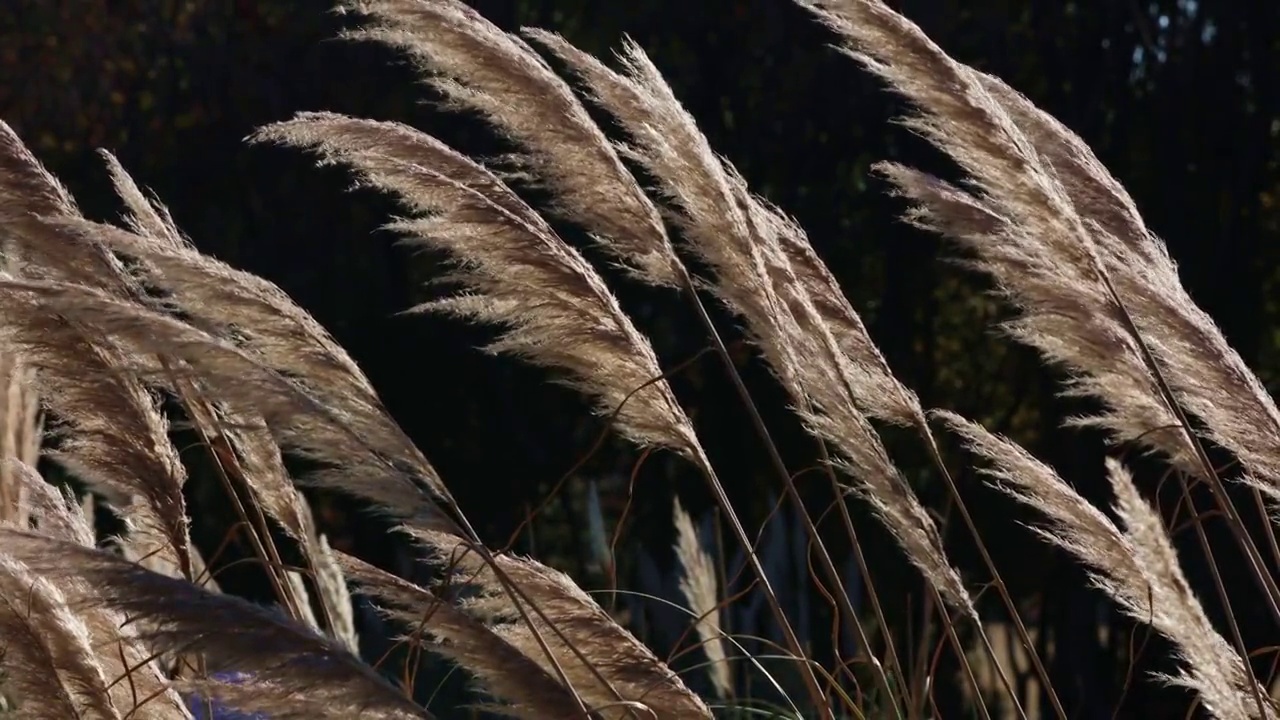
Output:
(292, 672)
(479, 67)
(554, 307)
(1134, 564)
(49, 660)
(1053, 227)
(700, 588)
(569, 617)
(742, 239)
(526, 688)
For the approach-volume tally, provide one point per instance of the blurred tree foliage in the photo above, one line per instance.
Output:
(1178, 97)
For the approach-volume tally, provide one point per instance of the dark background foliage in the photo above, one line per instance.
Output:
(1178, 97)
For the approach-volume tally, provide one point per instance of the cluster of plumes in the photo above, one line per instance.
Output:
(119, 634)
(481, 68)
(113, 433)
(751, 247)
(767, 273)
(110, 317)
(518, 273)
(100, 319)
(256, 376)
(1098, 291)
(1050, 224)
(763, 267)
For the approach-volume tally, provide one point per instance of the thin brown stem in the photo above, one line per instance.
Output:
(1234, 626)
(890, 650)
(793, 494)
(1001, 589)
(963, 659)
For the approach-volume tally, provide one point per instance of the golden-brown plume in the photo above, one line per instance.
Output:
(700, 587)
(1134, 564)
(479, 67)
(525, 687)
(616, 656)
(285, 670)
(519, 274)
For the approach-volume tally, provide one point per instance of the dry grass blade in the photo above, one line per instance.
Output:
(526, 688)
(555, 307)
(293, 672)
(701, 589)
(1134, 564)
(618, 657)
(479, 67)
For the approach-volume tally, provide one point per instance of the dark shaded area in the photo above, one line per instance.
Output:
(1178, 97)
